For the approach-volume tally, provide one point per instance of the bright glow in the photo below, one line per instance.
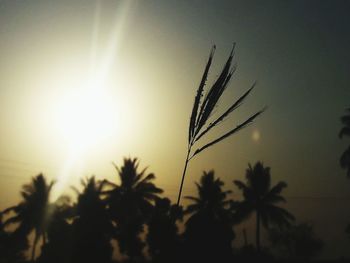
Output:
(86, 117)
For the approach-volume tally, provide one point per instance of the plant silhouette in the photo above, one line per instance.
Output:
(209, 232)
(12, 245)
(32, 212)
(163, 238)
(345, 131)
(261, 198)
(297, 242)
(58, 249)
(132, 212)
(130, 203)
(203, 109)
(92, 228)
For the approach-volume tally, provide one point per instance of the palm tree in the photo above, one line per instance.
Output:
(163, 238)
(13, 245)
(209, 232)
(130, 203)
(345, 131)
(59, 232)
(261, 198)
(92, 228)
(31, 212)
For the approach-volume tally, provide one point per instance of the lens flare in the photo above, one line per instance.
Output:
(87, 115)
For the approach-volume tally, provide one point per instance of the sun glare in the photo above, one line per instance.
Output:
(86, 117)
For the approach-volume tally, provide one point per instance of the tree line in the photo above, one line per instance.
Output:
(134, 217)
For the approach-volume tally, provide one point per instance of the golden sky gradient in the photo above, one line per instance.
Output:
(138, 65)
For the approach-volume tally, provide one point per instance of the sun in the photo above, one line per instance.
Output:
(86, 116)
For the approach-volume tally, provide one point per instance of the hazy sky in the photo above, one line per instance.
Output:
(152, 54)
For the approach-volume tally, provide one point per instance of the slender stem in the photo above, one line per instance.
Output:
(34, 246)
(183, 175)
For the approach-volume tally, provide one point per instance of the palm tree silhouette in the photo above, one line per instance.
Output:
(31, 212)
(345, 131)
(92, 228)
(209, 232)
(13, 245)
(59, 232)
(261, 198)
(163, 238)
(130, 204)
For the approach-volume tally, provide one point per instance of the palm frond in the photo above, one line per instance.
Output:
(240, 185)
(106, 182)
(9, 209)
(192, 198)
(272, 199)
(13, 220)
(140, 175)
(148, 178)
(277, 189)
(279, 216)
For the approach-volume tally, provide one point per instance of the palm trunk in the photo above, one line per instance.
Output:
(245, 237)
(34, 246)
(258, 231)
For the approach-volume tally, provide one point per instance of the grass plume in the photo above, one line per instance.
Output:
(203, 109)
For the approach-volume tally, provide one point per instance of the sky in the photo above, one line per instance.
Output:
(138, 64)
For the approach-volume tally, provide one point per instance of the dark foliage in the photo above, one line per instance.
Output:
(163, 238)
(91, 229)
(297, 242)
(345, 131)
(261, 198)
(130, 205)
(209, 232)
(59, 232)
(31, 213)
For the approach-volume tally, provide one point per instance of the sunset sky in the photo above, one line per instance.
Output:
(85, 83)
